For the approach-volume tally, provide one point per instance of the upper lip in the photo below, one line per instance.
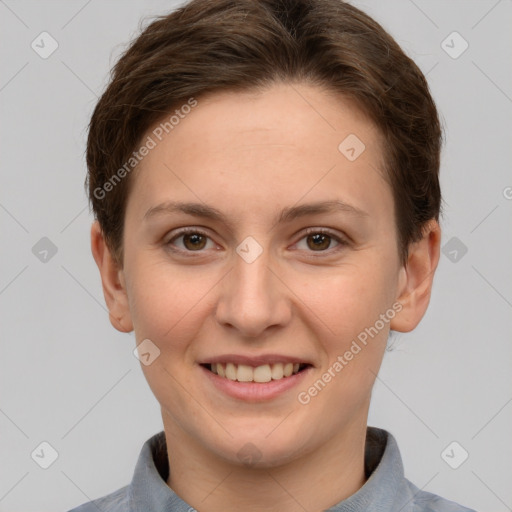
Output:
(254, 360)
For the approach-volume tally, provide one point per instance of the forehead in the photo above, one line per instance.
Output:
(263, 149)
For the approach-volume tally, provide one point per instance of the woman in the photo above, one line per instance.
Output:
(264, 175)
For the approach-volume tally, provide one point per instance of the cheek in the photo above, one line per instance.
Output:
(169, 307)
(350, 305)
(350, 300)
(166, 303)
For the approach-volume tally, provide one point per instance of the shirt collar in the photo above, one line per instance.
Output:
(383, 491)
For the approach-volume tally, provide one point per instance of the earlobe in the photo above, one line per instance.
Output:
(114, 288)
(416, 279)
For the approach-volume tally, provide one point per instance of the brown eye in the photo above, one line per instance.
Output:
(322, 242)
(190, 240)
(194, 241)
(319, 241)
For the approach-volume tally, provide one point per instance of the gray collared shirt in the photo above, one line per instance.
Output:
(385, 490)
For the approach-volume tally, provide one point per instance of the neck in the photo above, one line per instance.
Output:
(314, 481)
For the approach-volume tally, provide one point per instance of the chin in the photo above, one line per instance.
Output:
(259, 449)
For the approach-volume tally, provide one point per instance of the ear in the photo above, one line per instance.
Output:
(112, 279)
(416, 279)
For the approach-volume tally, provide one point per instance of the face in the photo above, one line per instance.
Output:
(288, 256)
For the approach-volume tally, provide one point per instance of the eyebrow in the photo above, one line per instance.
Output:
(288, 214)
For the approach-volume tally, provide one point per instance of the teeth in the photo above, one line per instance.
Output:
(288, 369)
(264, 373)
(244, 373)
(277, 371)
(230, 371)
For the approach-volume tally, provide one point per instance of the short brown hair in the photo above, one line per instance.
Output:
(214, 45)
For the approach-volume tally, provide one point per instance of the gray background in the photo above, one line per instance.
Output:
(68, 378)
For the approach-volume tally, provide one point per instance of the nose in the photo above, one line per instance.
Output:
(253, 297)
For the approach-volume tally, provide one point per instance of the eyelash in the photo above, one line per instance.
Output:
(342, 242)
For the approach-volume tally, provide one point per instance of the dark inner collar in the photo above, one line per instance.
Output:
(375, 445)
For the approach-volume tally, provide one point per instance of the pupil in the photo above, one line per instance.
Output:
(320, 241)
(195, 241)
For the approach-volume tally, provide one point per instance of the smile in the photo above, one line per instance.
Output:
(261, 374)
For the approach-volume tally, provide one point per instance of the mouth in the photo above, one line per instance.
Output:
(257, 374)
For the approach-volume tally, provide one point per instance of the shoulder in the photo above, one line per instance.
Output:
(384, 463)
(114, 502)
(423, 501)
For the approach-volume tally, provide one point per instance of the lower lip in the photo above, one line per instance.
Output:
(255, 391)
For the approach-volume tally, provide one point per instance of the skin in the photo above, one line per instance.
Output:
(250, 155)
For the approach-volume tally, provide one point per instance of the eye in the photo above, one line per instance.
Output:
(315, 240)
(320, 240)
(193, 240)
